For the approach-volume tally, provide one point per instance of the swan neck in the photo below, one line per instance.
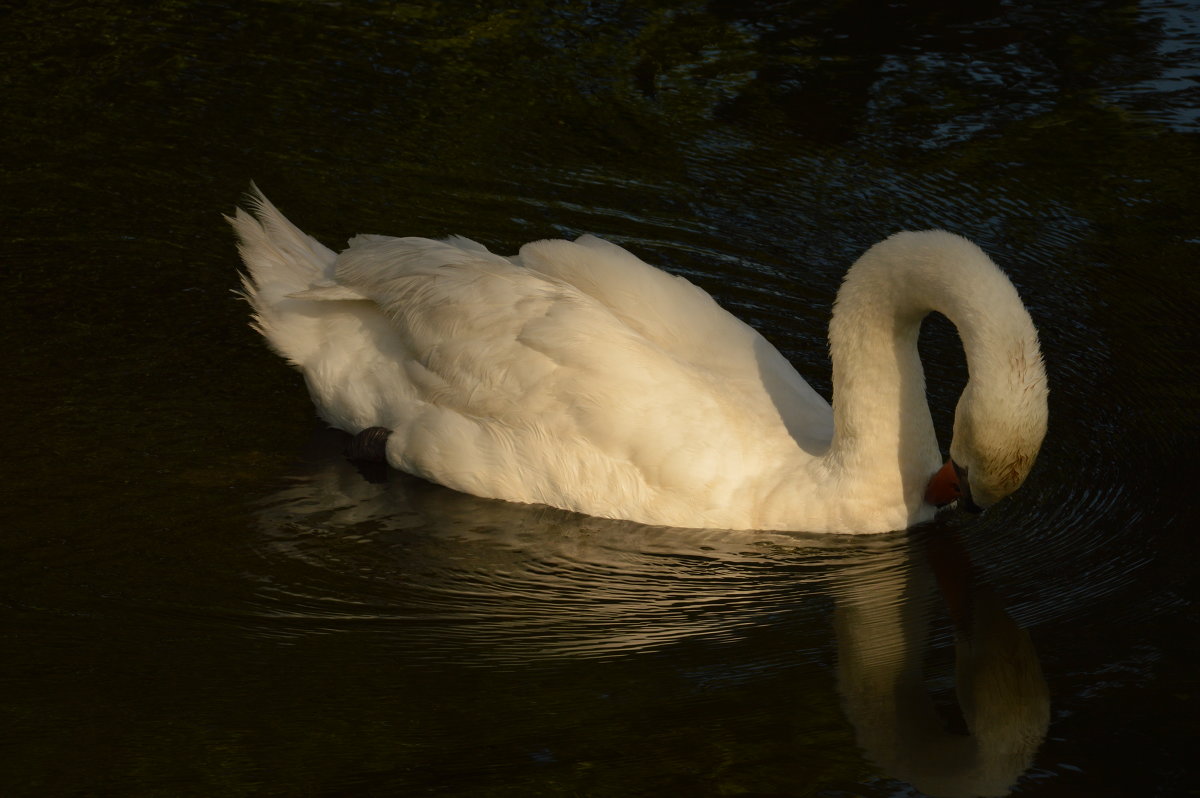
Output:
(880, 412)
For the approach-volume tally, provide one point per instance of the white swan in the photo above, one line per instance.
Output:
(575, 375)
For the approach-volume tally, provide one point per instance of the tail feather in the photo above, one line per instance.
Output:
(339, 339)
(276, 252)
(280, 260)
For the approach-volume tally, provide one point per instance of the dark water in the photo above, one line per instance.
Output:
(199, 596)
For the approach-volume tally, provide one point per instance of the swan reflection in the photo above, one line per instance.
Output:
(882, 627)
(496, 584)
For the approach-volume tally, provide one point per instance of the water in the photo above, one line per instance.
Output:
(201, 597)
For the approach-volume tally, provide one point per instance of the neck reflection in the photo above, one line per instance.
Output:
(882, 624)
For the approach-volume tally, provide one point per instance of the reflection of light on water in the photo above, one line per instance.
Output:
(492, 584)
(1177, 58)
(516, 580)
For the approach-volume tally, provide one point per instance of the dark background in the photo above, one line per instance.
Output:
(198, 597)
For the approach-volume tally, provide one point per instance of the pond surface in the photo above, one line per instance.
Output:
(200, 596)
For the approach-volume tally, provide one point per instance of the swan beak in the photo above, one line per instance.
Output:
(944, 488)
(949, 485)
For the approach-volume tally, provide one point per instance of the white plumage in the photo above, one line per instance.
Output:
(575, 375)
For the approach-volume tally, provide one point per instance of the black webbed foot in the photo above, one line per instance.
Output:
(370, 445)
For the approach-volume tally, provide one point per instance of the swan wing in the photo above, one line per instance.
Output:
(503, 381)
(686, 321)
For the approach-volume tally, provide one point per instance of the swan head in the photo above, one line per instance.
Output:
(998, 429)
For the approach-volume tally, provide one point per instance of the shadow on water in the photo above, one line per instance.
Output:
(476, 583)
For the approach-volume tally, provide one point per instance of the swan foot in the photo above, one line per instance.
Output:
(370, 445)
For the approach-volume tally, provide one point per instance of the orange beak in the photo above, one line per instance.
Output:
(944, 487)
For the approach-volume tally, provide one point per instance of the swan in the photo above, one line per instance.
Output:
(575, 375)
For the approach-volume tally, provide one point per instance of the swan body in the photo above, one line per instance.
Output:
(575, 375)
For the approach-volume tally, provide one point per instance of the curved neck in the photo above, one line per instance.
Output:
(881, 416)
